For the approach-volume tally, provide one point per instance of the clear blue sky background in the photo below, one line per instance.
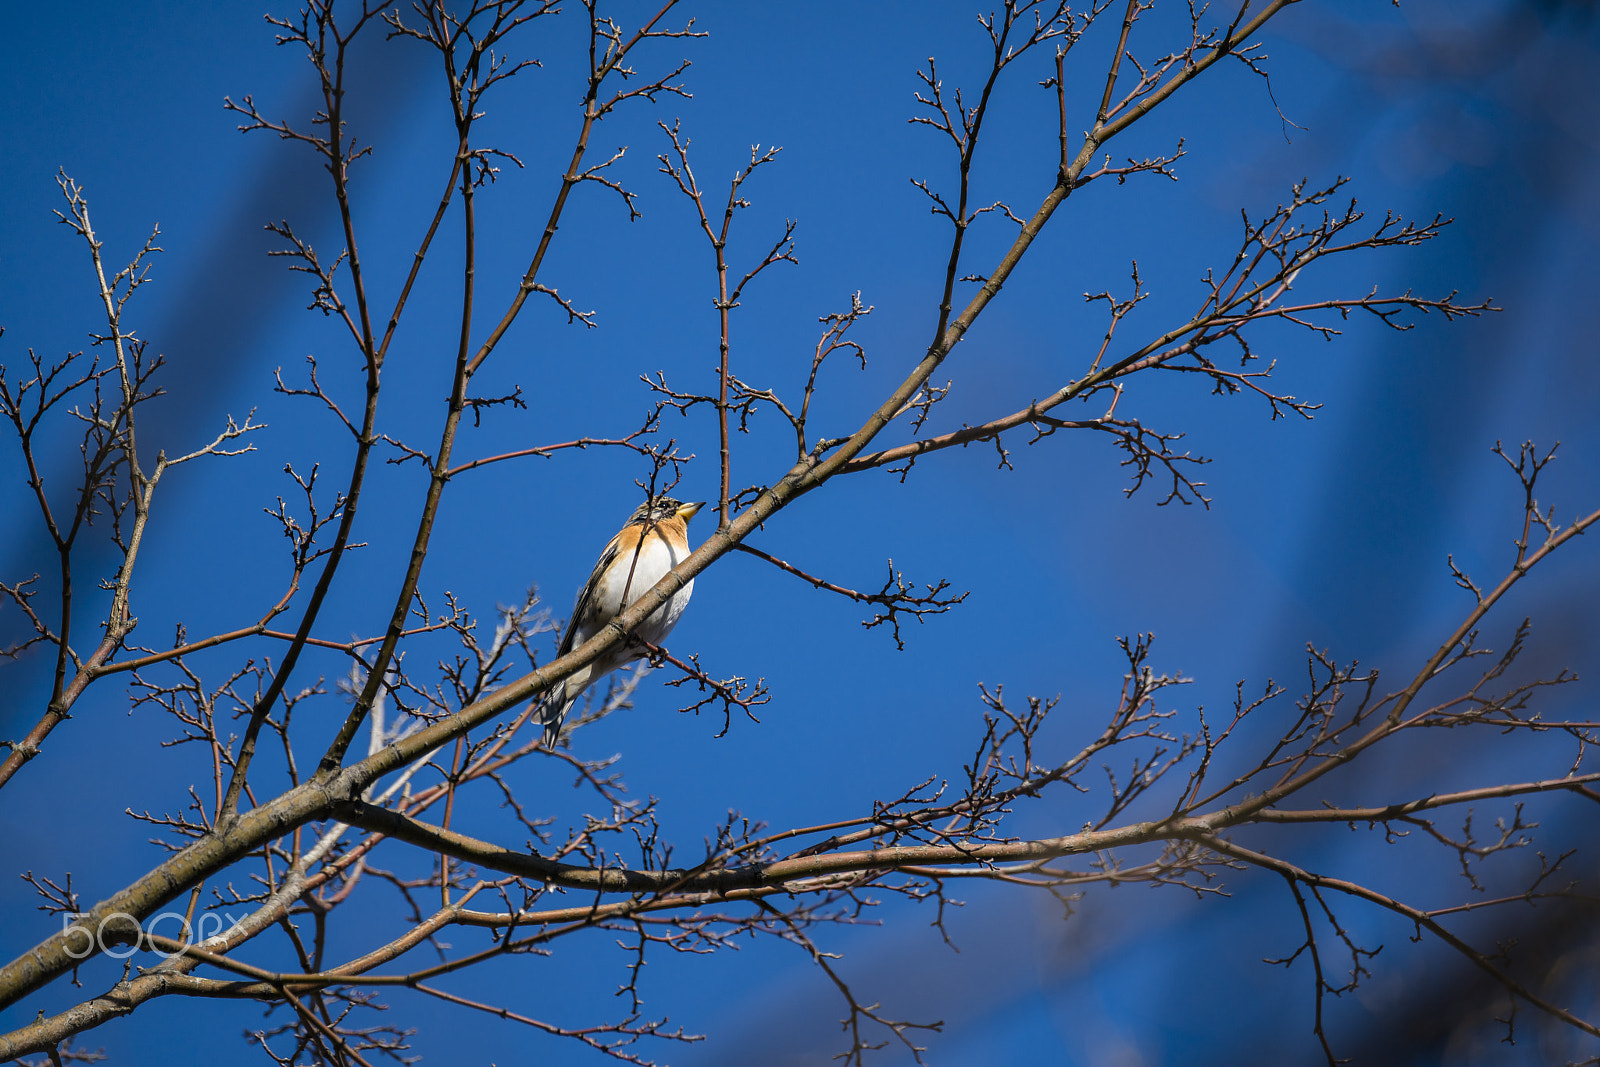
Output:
(1333, 532)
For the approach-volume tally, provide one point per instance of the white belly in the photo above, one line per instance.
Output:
(630, 578)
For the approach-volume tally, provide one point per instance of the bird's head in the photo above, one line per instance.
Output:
(661, 508)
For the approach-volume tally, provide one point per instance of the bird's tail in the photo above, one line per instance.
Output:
(552, 710)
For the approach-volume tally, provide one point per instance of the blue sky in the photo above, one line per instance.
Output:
(1332, 531)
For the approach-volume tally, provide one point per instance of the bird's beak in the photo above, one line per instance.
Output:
(686, 511)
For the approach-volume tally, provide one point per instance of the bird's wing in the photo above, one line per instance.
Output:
(585, 602)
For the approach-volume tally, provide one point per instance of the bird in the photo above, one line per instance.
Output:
(653, 541)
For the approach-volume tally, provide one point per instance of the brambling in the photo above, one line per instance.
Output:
(653, 541)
